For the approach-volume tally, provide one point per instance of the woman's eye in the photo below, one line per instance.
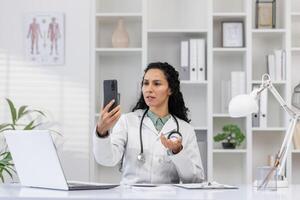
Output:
(145, 83)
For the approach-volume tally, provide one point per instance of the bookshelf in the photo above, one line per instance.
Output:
(156, 29)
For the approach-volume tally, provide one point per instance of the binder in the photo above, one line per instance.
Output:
(278, 64)
(283, 68)
(184, 70)
(201, 68)
(193, 59)
(256, 116)
(263, 109)
(271, 66)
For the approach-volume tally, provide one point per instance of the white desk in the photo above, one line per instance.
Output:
(158, 193)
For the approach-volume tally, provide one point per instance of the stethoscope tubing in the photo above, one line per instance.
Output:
(141, 155)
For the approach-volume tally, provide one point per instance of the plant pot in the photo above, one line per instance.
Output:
(227, 145)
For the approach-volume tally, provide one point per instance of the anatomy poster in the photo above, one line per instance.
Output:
(44, 36)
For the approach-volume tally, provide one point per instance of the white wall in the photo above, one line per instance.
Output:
(61, 91)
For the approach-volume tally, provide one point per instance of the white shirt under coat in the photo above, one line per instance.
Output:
(159, 167)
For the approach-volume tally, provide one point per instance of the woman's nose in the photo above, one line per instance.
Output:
(149, 88)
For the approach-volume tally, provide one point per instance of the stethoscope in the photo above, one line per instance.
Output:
(141, 156)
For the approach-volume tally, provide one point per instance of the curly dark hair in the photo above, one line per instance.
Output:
(176, 103)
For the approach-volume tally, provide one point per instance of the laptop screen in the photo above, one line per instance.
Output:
(35, 158)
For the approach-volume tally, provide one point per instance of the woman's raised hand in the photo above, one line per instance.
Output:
(107, 119)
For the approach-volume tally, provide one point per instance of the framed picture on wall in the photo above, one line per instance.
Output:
(265, 14)
(233, 34)
(44, 38)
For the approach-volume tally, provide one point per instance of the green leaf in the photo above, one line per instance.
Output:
(38, 111)
(9, 173)
(13, 111)
(22, 111)
(1, 176)
(33, 127)
(29, 126)
(3, 126)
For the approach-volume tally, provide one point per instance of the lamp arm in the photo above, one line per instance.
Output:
(267, 83)
(282, 102)
(282, 154)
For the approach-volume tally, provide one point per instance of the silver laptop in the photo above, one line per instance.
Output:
(37, 163)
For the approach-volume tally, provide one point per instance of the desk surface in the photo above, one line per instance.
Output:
(156, 193)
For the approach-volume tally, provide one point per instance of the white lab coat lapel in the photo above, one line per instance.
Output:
(147, 122)
(169, 126)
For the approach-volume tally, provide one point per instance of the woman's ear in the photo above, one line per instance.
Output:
(169, 92)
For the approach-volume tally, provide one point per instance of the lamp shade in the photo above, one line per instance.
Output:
(242, 105)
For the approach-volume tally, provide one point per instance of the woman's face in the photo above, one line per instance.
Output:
(156, 89)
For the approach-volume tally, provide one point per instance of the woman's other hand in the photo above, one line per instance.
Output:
(175, 145)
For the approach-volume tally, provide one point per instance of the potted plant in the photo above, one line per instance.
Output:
(231, 135)
(21, 118)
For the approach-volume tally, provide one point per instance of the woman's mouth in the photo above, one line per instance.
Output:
(150, 98)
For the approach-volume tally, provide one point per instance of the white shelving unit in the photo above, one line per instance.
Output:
(156, 29)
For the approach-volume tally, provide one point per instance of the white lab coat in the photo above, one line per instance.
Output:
(160, 167)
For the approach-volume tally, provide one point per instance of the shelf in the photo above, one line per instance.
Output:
(177, 30)
(229, 50)
(295, 49)
(229, 15)
(296, 151)
(118, 14)
(230, 151)
(295, 14)
(117, 51)
(269, 129)
(268, 31)
(200, 128)
(273, 82)
(221, 115)
(110, 18)
(193, 82)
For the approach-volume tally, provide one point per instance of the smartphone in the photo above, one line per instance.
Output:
(110, 92)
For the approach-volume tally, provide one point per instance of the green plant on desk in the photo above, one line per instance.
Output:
(22, 118)
(231, 135)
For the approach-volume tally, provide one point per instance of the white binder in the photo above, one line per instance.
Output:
(184, 71)
(263, 118)
(278, 65)
(271, 66)
(193, 59)
(201, 68)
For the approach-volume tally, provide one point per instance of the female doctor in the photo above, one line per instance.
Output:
(155, 143)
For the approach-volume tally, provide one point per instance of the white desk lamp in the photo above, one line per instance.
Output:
(246, 104)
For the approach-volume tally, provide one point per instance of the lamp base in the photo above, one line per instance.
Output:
(280, 183)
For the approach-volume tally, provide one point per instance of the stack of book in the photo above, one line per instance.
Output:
(276, 65)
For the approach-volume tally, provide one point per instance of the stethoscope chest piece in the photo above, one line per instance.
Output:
(141, 158)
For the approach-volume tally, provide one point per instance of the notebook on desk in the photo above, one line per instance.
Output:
(206, 185)
(37, 163)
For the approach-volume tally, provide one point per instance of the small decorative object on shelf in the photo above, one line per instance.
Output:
(120, 37)
(233, 34)
(265, 13)
(232, 135)
(296, 97)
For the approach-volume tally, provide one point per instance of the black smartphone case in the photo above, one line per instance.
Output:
(110, 90)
